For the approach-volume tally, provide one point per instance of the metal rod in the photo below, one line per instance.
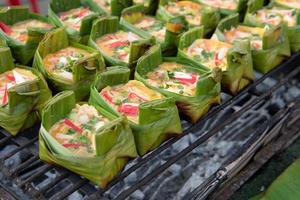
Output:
(69, 190)
(216, 110)
(203, 138)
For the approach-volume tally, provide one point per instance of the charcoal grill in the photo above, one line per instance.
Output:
(197, 165)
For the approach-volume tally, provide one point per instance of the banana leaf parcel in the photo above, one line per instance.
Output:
(112, 7)
(227, 7)
(153, 117)
(150, 5)
(194, 90)
(76, 15)
(23, 91)
(260, 16)
(67, 65)
(269, 45)
(167, 34)
(293, 4)
(195, 13)
(85, 139)
(22, 31)
(119, 46)
(235, 59)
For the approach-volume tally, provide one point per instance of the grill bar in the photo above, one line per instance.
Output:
(41, 171)
(55, 181)
(293, 61)
(33, 162)
(20, 148)
(204, 137)
(205, 189)
(69, 190)
(14, 171)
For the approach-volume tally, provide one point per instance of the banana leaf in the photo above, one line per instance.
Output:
(240, 8)
(114, 143)
(293, 4)
(25, 100)
(273, 50)
(110, 25)
(22, 52)
(150, 5)
(84, 69)
(172, 30)
(111, 7)
(239, 70)
(58, 6)
(208, 86)
(158, 119)
(209, 17)
(286, 186)
(293, 31)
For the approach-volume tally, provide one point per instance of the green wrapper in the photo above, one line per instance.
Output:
(275, 45)
(22, 52)
(210, 17)
(114, 143)
(239, 71)
(24, 100)
(285, 4)
(173, 28)
(113, 7)
(241, 7)
(84, 69)
(108, 25)
(158, 119)
(293, 32)
(59, 6)
(208, 86)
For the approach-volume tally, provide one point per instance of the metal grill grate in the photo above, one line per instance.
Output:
(25, 176)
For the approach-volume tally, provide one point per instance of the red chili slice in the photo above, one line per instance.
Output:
(82, 13)
(123, 56)
(5, 28)
(70, 124)
(5, 96)
(10, 77)
(132, 96)
(130, 110)
(107, 96)
(217, 61)
(72, 145)
(187, 81)
(118, 44)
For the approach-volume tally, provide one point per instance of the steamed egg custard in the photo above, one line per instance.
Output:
(191, 10)
(210, 53)
(174, 77)
(254, 34)
(117, 45)
(223, 4)
(289, 3)
(105, 4)
(74, 17)
(12, 78)
(153, 26)
(275, 16)
(126, 98)
(60, 63)
(19, 31)
(76, 131)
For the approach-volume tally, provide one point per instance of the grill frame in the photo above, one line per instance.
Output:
(289, 69)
